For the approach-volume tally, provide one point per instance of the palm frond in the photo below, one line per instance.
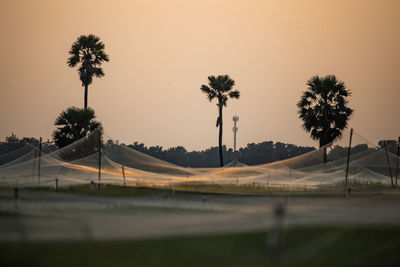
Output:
(211, 94)
(234, 94)
(227, 83)
(98, 72)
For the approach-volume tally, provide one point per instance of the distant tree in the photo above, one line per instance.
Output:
(139, 147)
(220, 87)
(12, 138)
(177, 155)
(14, 147)
(391, 145)
(323, 109)
(338, 152)
(89, 51)
(74, 124)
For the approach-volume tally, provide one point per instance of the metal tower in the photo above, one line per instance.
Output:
(235, 129)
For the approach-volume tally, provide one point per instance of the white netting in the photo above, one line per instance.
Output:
(79, 163)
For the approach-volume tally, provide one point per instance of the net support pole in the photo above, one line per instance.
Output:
(99, 159)
(123, 173)
(34, 166)
(40, 157)
(348, 159)
(388, 163)
(397, 160)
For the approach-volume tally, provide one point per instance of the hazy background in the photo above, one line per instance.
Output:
(161, 52)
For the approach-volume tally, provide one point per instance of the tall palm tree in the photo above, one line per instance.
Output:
(323, 109)
(220, 87)
(89, 51)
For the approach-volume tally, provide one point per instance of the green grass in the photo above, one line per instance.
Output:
(361, 185)
(257, 188)
(301, 246)
(358, 189)
(184, 188)
(106, 190)
(318, 246)
(254, 188)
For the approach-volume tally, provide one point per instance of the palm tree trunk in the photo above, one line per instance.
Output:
(221, 159)
(86, 95)
(397, 159)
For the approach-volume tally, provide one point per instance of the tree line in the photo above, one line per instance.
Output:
(252, 154)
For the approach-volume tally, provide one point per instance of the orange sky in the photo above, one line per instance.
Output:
(161, 52)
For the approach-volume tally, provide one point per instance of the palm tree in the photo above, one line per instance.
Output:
(74, 124)
(323, 109)
(220, 88)
(89, 51)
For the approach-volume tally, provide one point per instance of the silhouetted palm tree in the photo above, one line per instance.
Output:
(323, 109)
(220, 88)
(89, 51)
(74, 124)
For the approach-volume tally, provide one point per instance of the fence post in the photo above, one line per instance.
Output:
(388, 163)
(123, 173)
(397, 159)
(348, 159)
(34, 165)
(99, 158)
(40, 156)
(15, 193)
(274, 239)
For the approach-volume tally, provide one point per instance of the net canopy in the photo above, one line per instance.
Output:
(90, 159)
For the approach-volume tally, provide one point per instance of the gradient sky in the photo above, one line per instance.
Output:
(161, 52)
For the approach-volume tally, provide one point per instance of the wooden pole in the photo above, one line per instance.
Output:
(123, 173)
(34, 165)
(397, 159)
(388, 163)
(99, 158)
(40, 156)
(348, 159)
(15, 193)
(274, 239)
(56, 184)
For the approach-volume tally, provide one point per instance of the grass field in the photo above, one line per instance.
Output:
(204, 188)
(316, 246)
(343, 244)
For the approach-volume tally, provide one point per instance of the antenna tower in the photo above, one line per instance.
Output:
(235, 129)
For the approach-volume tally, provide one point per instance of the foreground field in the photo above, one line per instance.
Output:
(305, 246)
(186, 226)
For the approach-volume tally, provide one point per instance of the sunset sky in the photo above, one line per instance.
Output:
(161, 52)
